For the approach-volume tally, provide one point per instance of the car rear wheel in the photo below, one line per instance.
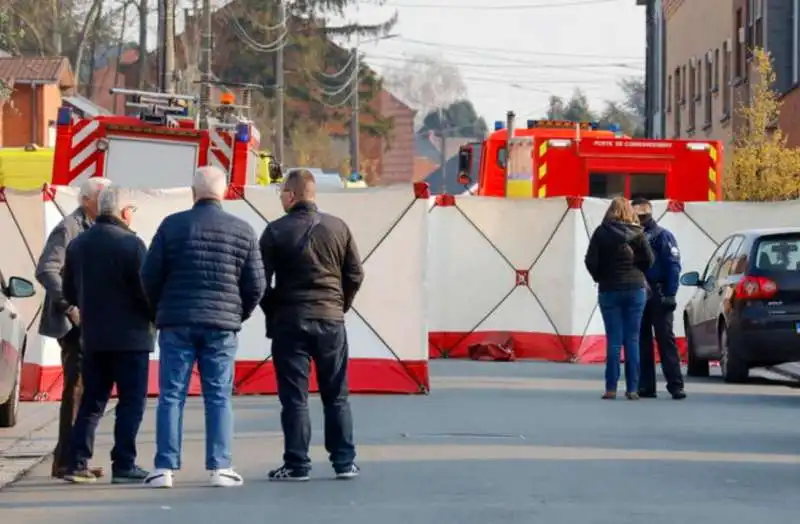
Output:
(734, 370)
(9, 411)
(697, 367)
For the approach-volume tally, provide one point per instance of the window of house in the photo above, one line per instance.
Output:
(726, 79)
(739, 56)
(692, 94)
(758, 25)
(795, 41)
(683, 85)
(677, 99)
(709, 89)
(669, 94)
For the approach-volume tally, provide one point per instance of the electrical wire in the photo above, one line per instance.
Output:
(340, 72)
(504, 7)
(511, 62)
(498, 52)
(271, 47)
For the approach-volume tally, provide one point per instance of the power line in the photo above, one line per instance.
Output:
(505, 7)
(455, 48)
(511, 62)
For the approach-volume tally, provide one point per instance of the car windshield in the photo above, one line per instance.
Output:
(776, 254)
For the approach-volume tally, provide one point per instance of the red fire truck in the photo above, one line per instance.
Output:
(584, 160)
(159, 146)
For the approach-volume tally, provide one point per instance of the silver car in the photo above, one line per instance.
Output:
(12, 347)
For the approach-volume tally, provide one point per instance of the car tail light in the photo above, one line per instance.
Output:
(755, 288)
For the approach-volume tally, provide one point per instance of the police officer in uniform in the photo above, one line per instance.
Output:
(663, 280)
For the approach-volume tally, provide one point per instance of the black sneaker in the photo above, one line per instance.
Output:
(679, 395)
(80, 476)
(286, 474)
(648, 394)
(347, 473)
(135, 475)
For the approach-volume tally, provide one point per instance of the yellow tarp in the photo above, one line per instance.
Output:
(25, 170)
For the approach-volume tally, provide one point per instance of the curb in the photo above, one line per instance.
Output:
(30, 450)
(26, 453)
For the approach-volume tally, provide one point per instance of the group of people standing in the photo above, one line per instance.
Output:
(636, 265)
(204, 274)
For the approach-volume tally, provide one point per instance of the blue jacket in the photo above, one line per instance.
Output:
(664, 275)
(203, 269)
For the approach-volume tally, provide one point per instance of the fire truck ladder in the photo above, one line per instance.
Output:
(154, 107)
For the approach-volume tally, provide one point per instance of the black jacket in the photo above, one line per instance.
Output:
(101, 278)
(618, 256)
(203, 269)
(317, 269)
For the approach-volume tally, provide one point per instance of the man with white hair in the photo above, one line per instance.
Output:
(61, 321)
(203, 276)
(101, 278)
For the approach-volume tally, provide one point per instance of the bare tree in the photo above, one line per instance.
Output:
(425, 83)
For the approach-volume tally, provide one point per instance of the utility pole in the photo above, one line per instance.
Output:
(279, 91)
(205, 66)
(160, 48)
(355, 128)
(168, 80)
(442, 149)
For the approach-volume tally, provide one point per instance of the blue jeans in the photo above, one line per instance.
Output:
(214, 351)
(622, 315)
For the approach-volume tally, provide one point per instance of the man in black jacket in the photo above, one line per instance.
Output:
(317, 271)
(101, 278)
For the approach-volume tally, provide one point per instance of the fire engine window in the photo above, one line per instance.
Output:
(652, 186)
(501, 157)
(606, 185)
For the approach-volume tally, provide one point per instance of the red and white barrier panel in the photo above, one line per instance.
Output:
(386, 328)
(512, 271)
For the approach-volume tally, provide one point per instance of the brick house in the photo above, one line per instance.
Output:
(708, 66)
(38, 85)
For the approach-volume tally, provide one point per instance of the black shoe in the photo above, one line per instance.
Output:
(679, 395)
(347, 473)
(286, 474)
(648, 394)
(135, 475)
(80, 476)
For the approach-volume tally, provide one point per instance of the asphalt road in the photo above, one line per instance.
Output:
(494, 442)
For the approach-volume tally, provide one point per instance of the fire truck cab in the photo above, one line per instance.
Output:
(158, 145)
(553, 159)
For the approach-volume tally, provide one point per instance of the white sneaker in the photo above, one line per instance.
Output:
(159, 478)
(226, 478)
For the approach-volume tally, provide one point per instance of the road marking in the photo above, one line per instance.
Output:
(424, 453)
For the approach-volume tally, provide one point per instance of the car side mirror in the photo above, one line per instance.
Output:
(465, 161)
(20, 288)
(691, 279)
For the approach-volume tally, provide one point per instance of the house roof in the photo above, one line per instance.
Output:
(44, 70)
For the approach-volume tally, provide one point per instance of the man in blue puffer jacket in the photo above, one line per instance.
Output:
(659, 312)
(203, 276)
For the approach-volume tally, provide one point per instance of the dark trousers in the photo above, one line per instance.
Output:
(294, 345)
(658, 320)
(71, 392)
(101, 372)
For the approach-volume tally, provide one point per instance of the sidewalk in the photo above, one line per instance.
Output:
(30, 442)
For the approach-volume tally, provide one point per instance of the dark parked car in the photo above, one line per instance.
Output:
(12, 347)
(745, 311)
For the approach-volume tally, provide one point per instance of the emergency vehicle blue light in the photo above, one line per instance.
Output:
(64, 116)
(614, 128)
(243, 132)
(594, 126)
(355, 177)
(498, 125)
(531, 124)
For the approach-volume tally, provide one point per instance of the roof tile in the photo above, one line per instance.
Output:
(36, 69)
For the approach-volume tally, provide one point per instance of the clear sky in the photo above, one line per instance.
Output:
(513, 54)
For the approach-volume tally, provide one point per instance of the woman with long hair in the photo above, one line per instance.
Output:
(617, 258)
